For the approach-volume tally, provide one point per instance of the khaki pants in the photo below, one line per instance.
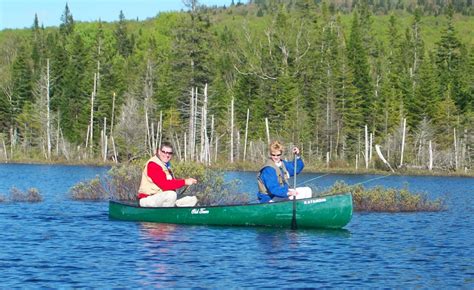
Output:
(161, 199)
(167, 199)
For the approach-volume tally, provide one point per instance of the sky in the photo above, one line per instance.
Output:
(21, 13)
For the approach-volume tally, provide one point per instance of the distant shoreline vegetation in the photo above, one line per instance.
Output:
(358, 86)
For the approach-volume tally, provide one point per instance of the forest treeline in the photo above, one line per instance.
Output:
(336, 78)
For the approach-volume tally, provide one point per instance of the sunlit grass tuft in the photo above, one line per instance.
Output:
(120, 183)
(380, 199)
(31, 195)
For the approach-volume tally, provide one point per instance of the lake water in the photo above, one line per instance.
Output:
(60, 243)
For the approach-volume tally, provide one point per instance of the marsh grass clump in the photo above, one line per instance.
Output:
(31, 195)
(380, 199)
(89, 190)
(211, 189)
(122, 183)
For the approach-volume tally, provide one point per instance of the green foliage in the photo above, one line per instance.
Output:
(211, 188)
(122, 183)
(380, 199)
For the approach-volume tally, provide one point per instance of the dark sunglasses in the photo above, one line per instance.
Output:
(276, 155)
(166, 152)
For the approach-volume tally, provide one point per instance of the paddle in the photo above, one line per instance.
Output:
(184, 190)
(293, 219)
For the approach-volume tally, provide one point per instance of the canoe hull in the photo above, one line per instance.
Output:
(320, 212)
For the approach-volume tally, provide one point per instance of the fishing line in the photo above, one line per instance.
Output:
(317, 177)
(378, 177)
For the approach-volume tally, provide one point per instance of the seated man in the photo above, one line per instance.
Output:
(158, 185)
(273, 177)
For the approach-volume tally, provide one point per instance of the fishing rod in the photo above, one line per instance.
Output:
(317, 177)
(372, 179)
(353, 185)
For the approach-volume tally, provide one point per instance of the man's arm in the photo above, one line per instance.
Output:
(270, 178)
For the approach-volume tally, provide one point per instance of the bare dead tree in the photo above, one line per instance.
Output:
(91, 122)
(48, 115)
(259, 49)
(246, 133)
(366, 153)
(231, 129)
(403, 141)
(148, 104)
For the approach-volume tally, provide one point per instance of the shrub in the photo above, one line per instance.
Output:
(382, 199)
(211, 188)
(31, 195)
(122, 183)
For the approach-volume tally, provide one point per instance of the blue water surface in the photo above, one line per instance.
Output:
(62, 243)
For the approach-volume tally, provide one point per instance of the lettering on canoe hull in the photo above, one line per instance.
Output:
(318, 200)
(199, 211)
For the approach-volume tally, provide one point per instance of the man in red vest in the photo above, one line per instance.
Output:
(158, 185)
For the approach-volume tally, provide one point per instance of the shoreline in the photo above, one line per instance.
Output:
(250, 167)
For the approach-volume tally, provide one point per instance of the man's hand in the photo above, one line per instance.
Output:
(296, 150)
(292, 192)
(190, 181)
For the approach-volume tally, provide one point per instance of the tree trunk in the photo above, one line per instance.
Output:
(4, 151)
(430, 165)
(211, 141)
(105, 139)
(113, 148)
(403, 141)
(185, 148)
(246, 133)
(112, 115)
(366, 153)
(160, 131)
(48, 118)
(232, 130)
(267, 130)
(91, 123)
(57, 135)
(455, 150)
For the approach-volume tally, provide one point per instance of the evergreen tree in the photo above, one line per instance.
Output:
(37, 46)
(427, 89)
(123, 42)
(358, 60)
(449, 61)
(77, 86)
(22, 82)
(445, 118)
(66, 27)
(191, 54)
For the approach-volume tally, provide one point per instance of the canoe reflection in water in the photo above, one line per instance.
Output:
(156, 231)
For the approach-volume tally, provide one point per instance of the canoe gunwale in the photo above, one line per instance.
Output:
(135, 204)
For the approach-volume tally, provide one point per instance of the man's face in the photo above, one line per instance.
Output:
(276, 155)
(165, 154)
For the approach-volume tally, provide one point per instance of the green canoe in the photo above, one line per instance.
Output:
(318, 212)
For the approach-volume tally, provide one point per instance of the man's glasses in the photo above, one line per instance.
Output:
(167, 152)
(275, 155)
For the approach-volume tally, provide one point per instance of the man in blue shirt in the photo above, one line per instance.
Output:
(273, 177)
